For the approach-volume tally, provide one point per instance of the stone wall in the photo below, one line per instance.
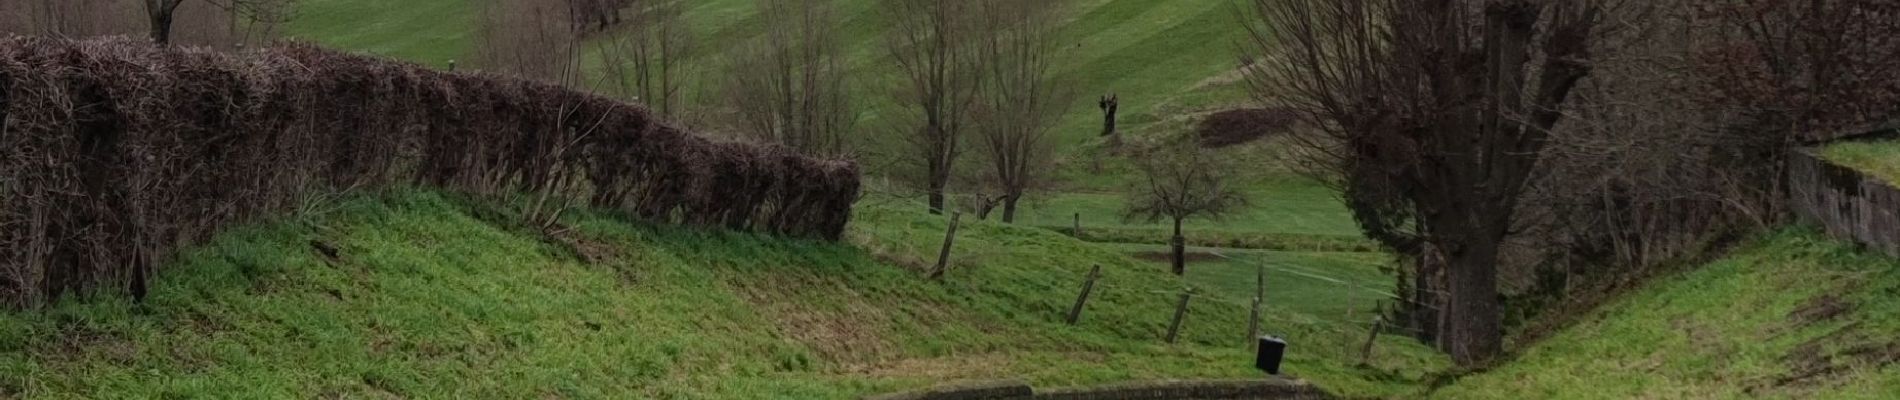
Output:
(1849, 204)
(1237, 389)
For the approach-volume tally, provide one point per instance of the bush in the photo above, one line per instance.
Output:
(115, 152)
(1242, 125)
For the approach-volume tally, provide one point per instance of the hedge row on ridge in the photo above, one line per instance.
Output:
(114, 152)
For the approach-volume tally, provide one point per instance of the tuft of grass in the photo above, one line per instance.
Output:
(1793, 315)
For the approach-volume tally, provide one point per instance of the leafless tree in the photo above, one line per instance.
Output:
(599, 15)
(788, 87)
(1812, 67)
(1433, 117)
(530, 39)
(219, 24)
(643, 54)
(161, 15)
(67, 18)
(1180, 181)
(933, 44)
(1022, 99)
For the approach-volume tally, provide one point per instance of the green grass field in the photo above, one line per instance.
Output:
(1338, 287)
(435, 295)
(1792, 315)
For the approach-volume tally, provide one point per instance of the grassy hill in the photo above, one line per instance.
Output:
(1792, 315)
(1169, 60)
(436, 295)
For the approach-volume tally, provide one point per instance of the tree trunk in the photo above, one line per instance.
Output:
(1473, 334)
(1428, 294)
(1009, 208)
(160, 12)
(1178, 245)
(939, 180)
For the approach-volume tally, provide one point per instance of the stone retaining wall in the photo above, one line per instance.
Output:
(1272, 389)
(1849, 204)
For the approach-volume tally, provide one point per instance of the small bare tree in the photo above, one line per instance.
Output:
(643, 54)
(1022, 99)
(161, 14)
(789, 86)
(933, 44)
(528, 38)
(1182, 181)
(68, 18)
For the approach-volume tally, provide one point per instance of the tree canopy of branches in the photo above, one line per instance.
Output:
(216, 23)
(934, 46)
(1182, 181)
(1431, 121)
(789, 86)
(161, 14)
(1811, 67)
(532, 39)
(643, 54)
(1022, 99)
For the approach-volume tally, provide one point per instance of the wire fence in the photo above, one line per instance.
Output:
(1359, 314)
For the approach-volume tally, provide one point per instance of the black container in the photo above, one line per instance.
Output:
(1272, 349)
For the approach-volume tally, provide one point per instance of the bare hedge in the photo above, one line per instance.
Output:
(1242, 125)
(114, 152)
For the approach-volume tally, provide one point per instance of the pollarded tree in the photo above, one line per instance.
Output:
(1434, 115)
(1182, 181)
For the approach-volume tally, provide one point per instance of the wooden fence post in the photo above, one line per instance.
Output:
(1259, 296)
(1378, 323)
(1180, 312)
(1088, 285)
(943, 257)
(1077, 229)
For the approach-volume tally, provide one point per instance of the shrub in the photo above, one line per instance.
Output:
(115, 152)
(1242, 125)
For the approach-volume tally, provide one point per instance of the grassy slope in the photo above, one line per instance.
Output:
(430, 32)
(1791, 316)
(433, 297)
(1878, 158)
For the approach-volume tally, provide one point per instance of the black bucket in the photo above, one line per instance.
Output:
(1272, 349)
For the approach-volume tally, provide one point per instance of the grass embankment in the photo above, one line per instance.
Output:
(433, 295)
(1879, 158)
(1792, 315)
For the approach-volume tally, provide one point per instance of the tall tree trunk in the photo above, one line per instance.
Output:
(161, 12)
(1178, 245)
(1473, 333)
(1427, 294)
(1009, 208)
(939, 181)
